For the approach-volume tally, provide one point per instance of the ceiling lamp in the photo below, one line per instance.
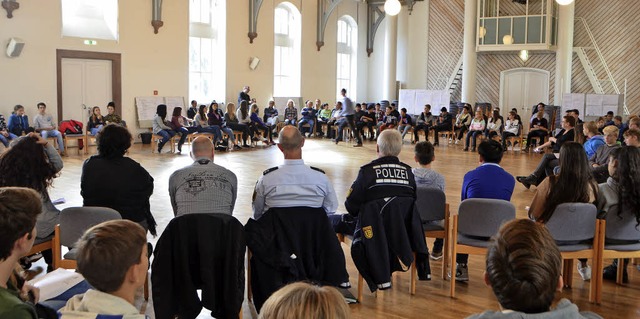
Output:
(507, 39)
(524, 55)
(482, 31)
(392, 7)
(564, 2)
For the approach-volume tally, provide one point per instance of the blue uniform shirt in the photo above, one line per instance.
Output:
(293, 184)
(489, 180)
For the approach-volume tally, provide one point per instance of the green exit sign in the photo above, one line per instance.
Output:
(90, 42)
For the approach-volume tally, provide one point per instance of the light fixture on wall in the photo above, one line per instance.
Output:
(9, 6)
(156, 17)
(507, 39)
(564, 2)
(392, 7)
(482, 31)
(524, 55)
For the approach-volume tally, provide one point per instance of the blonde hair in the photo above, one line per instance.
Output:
(610, 130)
(303, 300)
(231, 110)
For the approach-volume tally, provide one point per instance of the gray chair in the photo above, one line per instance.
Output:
(74, 221)
(619, 238)
(574, 227)
(431, 204)
(477, 220)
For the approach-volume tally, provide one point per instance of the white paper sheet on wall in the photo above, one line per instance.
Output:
(407, 100)
(578, 102)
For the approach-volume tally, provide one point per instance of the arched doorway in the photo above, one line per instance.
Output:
(523, 88)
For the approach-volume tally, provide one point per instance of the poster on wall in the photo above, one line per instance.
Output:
(415, 100)
(572, 101)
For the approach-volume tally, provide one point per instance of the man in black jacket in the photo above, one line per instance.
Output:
(388, 231)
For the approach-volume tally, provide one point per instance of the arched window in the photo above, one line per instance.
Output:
(286, 64)
(207, 58)
(347, 65)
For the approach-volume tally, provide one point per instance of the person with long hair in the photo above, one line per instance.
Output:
(463, 120)
(573, 184)
(244, 117)
(620, 195)
(232, 121)
(96, 121)
(511, 128)
(161, 128)
(304, 300)
(180, 125)
(216, 118)
(258, 125)
(538, 128)
(550, 161)
(494, 126)
(202, 123)
(33, 162)
(478, 124)
(110, 179)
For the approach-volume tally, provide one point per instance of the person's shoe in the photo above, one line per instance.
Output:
(473, 148)
(585, 272)
(537, 150)
(160, 149)
(436, 144)
(457, 141)
(527, 181)
(526, 149)
(462, 272)
(358, 145)
(335, 141)
(237, 147)
(466, 149)
(436, 255)
(611, 273)
(246, 145)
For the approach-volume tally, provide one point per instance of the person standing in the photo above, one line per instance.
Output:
(349, 114)
(44, 124)
(244, 95)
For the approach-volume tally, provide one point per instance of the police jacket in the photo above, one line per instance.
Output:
(293, 244)
(199, 251)
(388, 230)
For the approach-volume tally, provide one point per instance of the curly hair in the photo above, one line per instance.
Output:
(25, 164)
(627, 174)
(113, 141)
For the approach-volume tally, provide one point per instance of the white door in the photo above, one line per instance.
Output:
(85, 84)
(522, 89)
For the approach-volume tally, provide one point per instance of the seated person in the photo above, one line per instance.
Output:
(323, 117)
(113, 258)
(308, 117)
(600, 160)
(632, 137)
(368, 119)
(524, 270)
(404, 122)
(43, 123)
(538, 128)
(390, 121)
(111, 116)
(303, 300)
(96, 121)
(426, 177)
(334, 119)
(463, 120)
(593, 138)
(19, 209)
(424, 123)
(19, 122)
(259, 126)
(270, 116)
(494, 126)
(443, 123)
(290, 113)
(476, 128)
(5, 135)
(511, 128)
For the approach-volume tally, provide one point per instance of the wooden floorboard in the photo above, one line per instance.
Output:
(341, 163)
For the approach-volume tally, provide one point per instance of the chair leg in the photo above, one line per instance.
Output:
(567, 273)
(620, 271)
(146, 287)
(414, 275)
(360, 286)
(454, 243)
(249, 292)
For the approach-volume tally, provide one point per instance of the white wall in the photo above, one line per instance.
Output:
(149, 61)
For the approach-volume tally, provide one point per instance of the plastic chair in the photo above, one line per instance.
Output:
(574, 227)
(435, 215)
(477, 220)
(74, 221)
(614, 232)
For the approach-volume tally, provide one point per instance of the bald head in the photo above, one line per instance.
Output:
(290, 142)
(202, 148)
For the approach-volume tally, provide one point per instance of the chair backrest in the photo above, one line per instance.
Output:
(430, 203)
(573, 222)
(482, 217)
(74, 221)
(621, 227)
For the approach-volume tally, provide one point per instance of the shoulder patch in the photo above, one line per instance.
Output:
(269, 170)
(317, 169)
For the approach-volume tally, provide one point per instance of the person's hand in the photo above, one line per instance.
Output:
(38, 138)
(553, 139)
(594, 165)
(30, 292)
(4, 133)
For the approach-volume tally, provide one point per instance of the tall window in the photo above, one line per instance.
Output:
(346, 62)
(286, 64)
(207, 50)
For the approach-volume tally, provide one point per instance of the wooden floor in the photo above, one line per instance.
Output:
(341, 163)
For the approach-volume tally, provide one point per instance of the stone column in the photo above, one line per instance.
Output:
(390, 57)
(469, 56)
(564, 53)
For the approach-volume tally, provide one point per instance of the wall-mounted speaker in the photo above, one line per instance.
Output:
(14, 48)
(253, 63)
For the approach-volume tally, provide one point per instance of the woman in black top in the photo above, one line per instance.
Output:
(550, 161)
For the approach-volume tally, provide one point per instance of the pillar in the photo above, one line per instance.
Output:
(564, 53)
(390, 57)
(469, 56)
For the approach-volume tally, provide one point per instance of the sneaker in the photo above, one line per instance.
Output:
(457, 141)
(585, 272)
(611, 273)
(358, 145)
(462, 272)
(160, 149)
(436, 255)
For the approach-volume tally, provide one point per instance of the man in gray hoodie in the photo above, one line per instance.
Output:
(524, 269)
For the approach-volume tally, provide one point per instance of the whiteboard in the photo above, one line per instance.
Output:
(146, 107)
(600, 104)
(173, 102)
(415, 100)
(572, 101)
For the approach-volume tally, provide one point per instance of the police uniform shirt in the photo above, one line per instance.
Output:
(293, 184)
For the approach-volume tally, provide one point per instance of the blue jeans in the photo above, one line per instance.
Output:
(303, 122)
(166, 136)
(404, 129)
(57, 135)
(96, 129)
(213, 129)
(229, 132)
(472, 134)
(5, 139)
(184, 132)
